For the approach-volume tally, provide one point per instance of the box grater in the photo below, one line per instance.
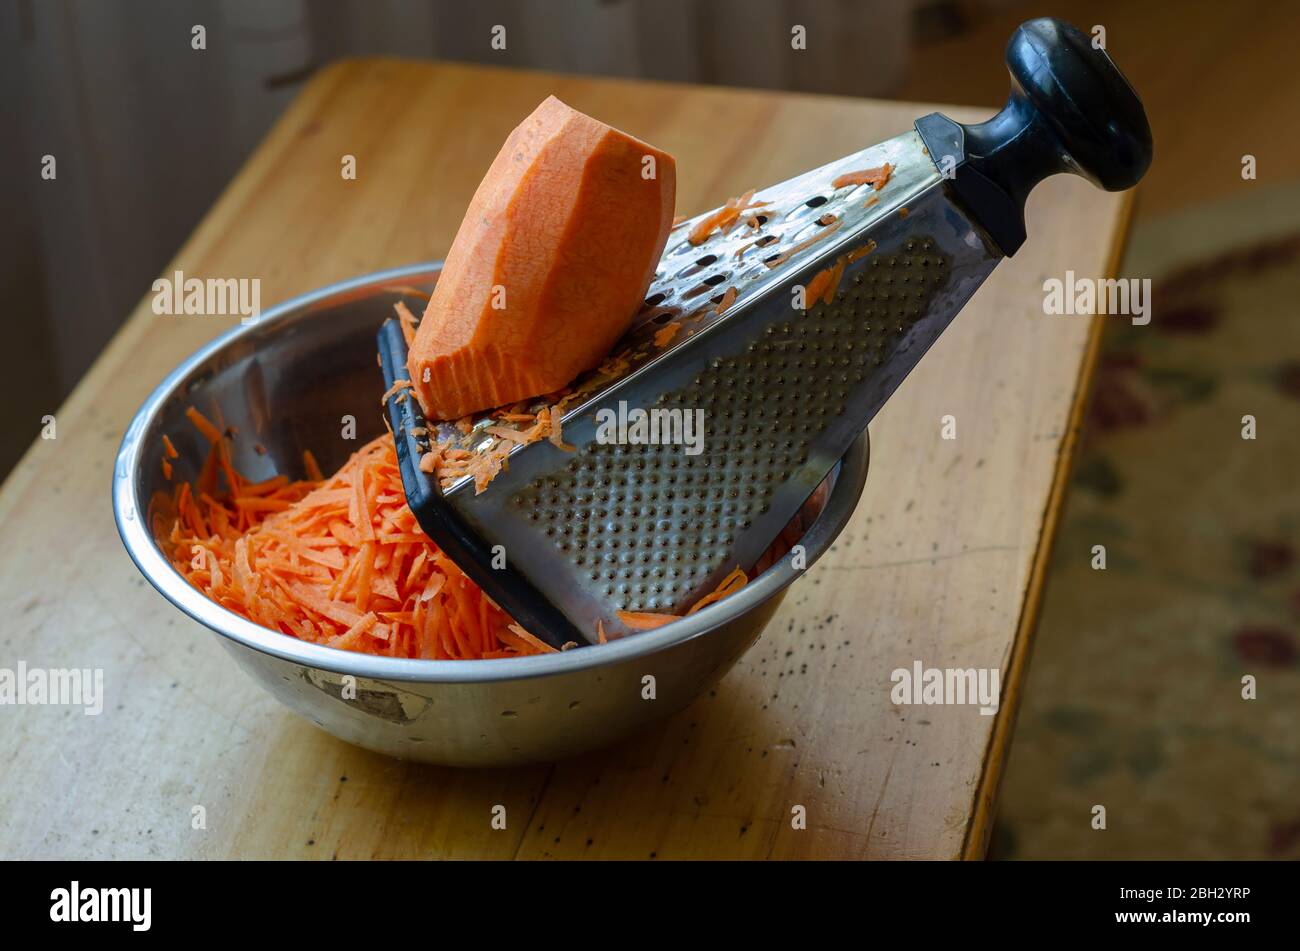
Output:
(564, 539)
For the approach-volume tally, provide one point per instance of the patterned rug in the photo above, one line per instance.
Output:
(1134, 699)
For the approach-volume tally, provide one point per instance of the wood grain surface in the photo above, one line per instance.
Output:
(942, 562)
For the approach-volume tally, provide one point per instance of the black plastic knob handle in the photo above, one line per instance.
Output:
(1070, 110)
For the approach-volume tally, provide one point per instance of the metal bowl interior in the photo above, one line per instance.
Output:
(292, 381)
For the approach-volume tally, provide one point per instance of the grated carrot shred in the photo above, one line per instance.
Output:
(862, 252)
(649, 620)
(555, 416)
(728, 298)
(407, 321)
(311, 467)
(724, 218)
(875, 177)
(310, 563)
(203, 425)
(665, 334)
(826, 282)
(727, 587)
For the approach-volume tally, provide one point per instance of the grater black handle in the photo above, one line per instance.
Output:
(1070, 110)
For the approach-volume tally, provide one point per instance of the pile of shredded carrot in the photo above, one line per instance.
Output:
(341, 561)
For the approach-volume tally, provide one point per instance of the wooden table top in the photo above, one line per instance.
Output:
(943, 562)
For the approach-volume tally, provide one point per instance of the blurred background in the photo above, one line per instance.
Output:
(146, 135)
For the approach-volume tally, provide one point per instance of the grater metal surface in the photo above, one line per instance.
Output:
(782, 384)
(781, 391)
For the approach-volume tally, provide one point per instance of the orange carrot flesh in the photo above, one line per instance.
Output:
(875, 177)
(549, 266)
(203, 425)
(817, 286)
(826, 282)
(407, 321)
(826, 232)
(665, 334)
(313, 563)
(727, 587)
(311, 467)
(724, 218)
(645, 620)
(393, 390)
(859, 253)
(728, 298)
(650, 620)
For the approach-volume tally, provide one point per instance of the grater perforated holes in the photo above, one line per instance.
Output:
(666, 522)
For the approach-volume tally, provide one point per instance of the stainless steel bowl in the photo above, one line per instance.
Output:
(284, 383)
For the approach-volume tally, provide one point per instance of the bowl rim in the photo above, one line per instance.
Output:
(149, 559)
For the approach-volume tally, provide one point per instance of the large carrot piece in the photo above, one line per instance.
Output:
(549, 266)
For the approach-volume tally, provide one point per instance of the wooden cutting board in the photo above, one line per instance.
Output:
(943, 562)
